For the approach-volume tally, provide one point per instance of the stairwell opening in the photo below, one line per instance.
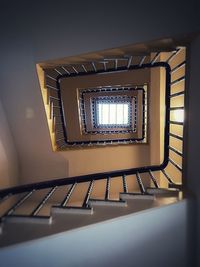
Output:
(162, 127)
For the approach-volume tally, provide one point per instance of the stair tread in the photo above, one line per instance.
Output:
(108, 202)
(136, 196)
(71, 209)
(28, 218)
(163, 191)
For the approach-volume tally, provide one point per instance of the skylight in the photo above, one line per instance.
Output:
(113, 114)
(112, 111)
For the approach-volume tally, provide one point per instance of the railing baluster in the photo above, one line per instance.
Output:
(58, 72)
(125, 187)
(52, 78)
(94, 67)
(65, 70)
(153, 179)
(178, 66)
(87, 197)
(129, 62)
(51, 110)
(176, 108)
(175, 165)
(43, 201)
(58, 123)
(52, 87)
(84, 68)
(54, 124)
(167, 177)
(58, 131)
(57, 107)
(176, 151)
(174, 53)
(178, 80)
(116, 64)
(177, 94)
(48, 97)
(104, 65)
(67, 198)
(60, 139)
(176, 136)
(107, 193)
(140, 183)
(75, 69)
(142, 61)
(18, 204)
(176, 122)
(53, 97)
(155, 58)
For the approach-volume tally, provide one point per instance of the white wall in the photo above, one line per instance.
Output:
(151, 238)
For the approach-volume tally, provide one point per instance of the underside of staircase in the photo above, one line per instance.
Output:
(22, 228)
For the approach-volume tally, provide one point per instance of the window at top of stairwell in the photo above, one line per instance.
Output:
(116, 111)
(113, 113)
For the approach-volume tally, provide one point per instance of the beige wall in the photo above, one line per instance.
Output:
(154, 125)
(176, 129)
(154, 114)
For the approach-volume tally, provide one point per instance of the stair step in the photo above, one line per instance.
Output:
(128, 196)
(71, 210)
(102, 202)
(29, 219)
(177, 186)
(163, 191)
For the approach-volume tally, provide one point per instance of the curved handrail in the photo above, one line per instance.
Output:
(111, 174)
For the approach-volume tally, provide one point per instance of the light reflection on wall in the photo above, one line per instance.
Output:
(179, 115)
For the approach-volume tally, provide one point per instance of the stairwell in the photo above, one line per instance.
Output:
(88, 199)
(117, 216)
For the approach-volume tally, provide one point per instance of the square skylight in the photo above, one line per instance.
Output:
(112, 114)
(112, 111)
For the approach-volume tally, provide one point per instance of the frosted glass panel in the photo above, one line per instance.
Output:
(113, 114)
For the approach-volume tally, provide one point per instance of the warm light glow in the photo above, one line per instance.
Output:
(179, 115)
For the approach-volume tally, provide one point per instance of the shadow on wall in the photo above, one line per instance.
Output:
(8, 155)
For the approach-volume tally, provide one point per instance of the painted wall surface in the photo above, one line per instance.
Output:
(193, 133)
(144, 239)
(8, 154)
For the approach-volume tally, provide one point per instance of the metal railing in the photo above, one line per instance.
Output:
(29, 190)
